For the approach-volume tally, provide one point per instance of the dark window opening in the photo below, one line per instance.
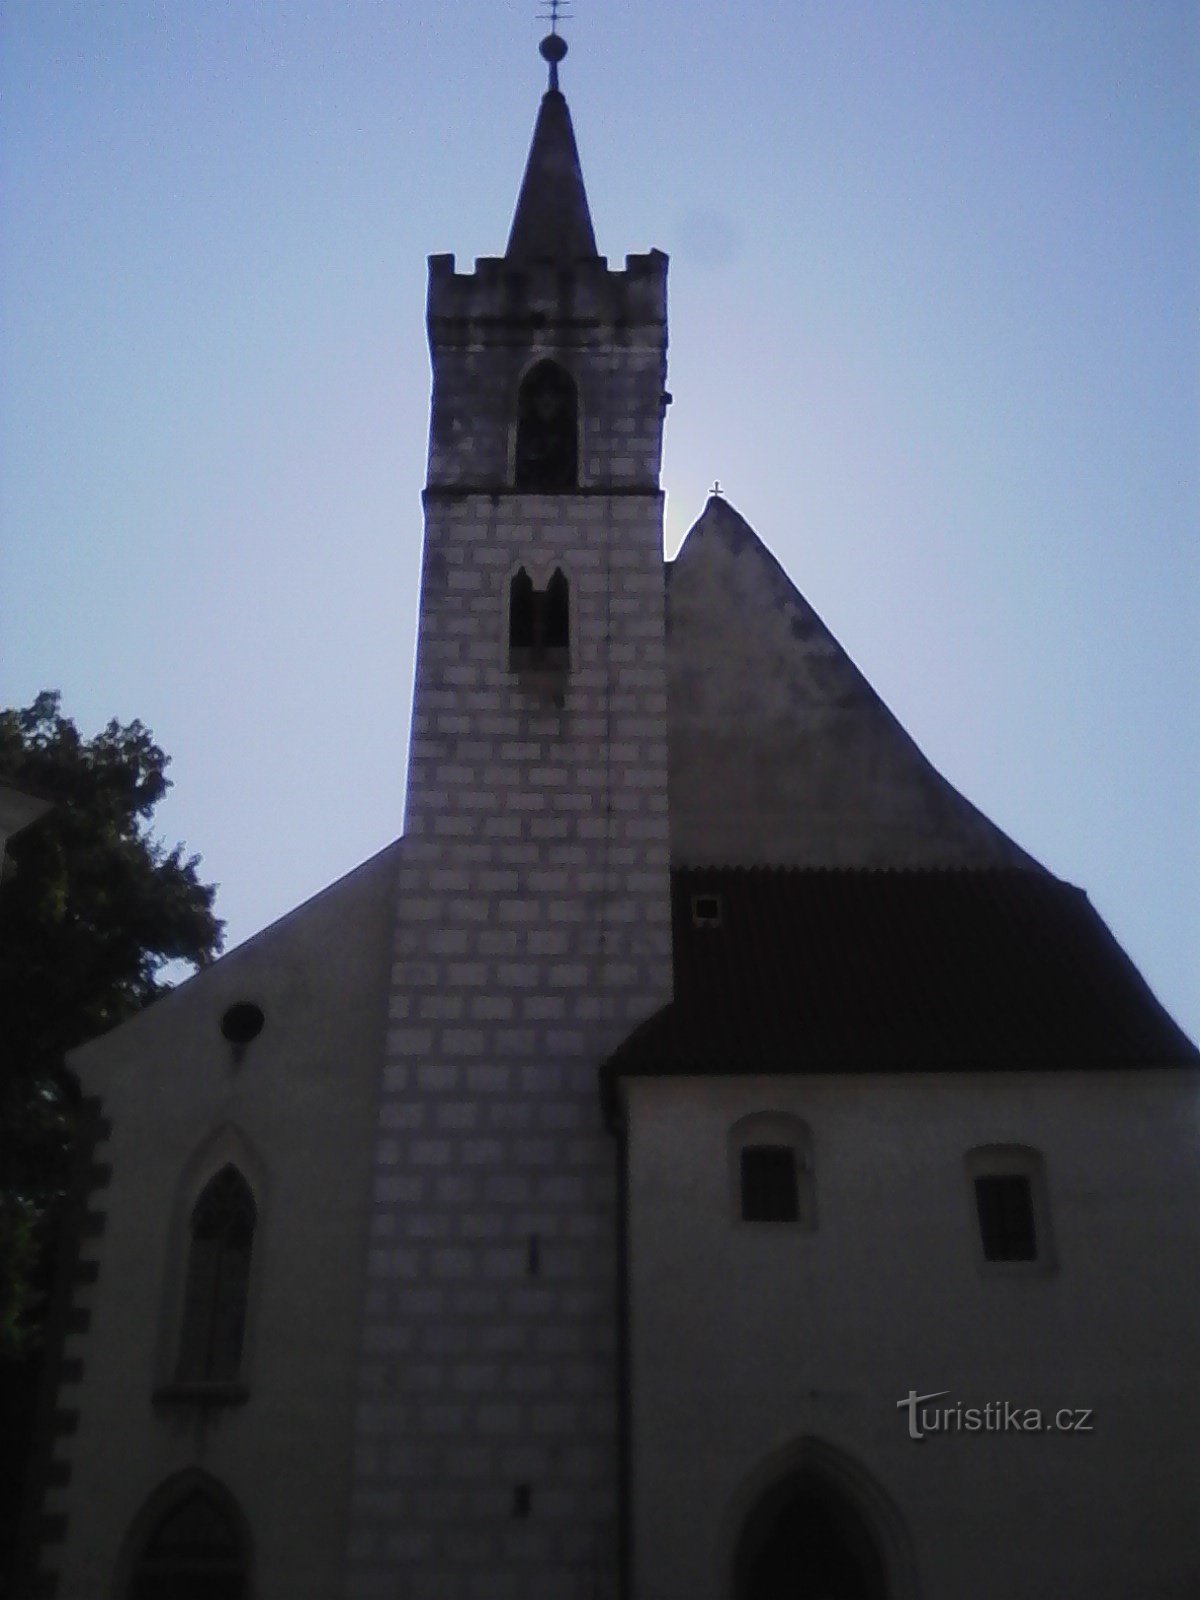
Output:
(556, 623)
(1005, 1206)
(706, 910)
(539, 622)
(521, 611)
(770, 1192)
(193, 1553)
(218, 1281)
(242, 1022)
(547, 430)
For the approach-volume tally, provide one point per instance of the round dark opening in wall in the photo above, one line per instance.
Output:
(242, 1022)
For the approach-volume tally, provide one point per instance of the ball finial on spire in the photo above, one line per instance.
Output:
(553, 48)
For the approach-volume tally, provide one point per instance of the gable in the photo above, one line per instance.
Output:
(780, 752)
(320, 963)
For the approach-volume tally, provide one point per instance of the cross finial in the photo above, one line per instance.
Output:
(716, 489)
(553, 47)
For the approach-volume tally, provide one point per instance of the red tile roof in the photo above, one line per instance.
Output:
(864, 971)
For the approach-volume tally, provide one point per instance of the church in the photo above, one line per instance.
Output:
(703, 1157)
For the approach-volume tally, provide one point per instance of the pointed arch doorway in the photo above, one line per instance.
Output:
(806, 1540)
(188, 1542)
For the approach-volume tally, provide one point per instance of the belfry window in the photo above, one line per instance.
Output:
(195, 1549)
(556, 622)
(547, 456)
(218, 1280)
(539, 622)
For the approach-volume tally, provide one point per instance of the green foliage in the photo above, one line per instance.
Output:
(92, 908)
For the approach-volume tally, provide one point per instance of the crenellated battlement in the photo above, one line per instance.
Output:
(583, 294)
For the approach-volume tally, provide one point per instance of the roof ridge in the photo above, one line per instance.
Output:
(943, 870)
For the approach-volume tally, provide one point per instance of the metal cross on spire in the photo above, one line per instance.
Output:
(553, 47)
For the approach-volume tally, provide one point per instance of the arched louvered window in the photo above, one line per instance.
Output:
(539, 622)
(547, 456)
(195, 1551)
(218, 1279)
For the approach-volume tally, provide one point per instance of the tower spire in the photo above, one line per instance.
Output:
(552, 221)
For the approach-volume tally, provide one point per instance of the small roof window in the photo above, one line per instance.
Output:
(707, 910)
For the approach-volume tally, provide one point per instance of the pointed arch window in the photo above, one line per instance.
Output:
(547, 455)
(195, 1549)
(218, 1280)
(556, 621)
(539, 622)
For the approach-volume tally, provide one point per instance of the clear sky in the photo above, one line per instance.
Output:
(934, 270)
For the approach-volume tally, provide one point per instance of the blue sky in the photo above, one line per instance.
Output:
(933, 326)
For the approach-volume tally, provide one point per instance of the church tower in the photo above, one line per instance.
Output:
(533, 928)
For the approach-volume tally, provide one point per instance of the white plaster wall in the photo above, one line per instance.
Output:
(302, 1100)
(748, 1338)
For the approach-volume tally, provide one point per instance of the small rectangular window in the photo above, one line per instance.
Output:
(769, 1189)
(706, 910)
(1005, 1206)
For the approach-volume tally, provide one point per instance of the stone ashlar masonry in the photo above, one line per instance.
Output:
(533, 933)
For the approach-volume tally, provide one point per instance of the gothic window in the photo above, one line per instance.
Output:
(771, 1170)
(1011, 1212)
(547, 430)
(539, 622)
(218, 1279)
(193, 1552)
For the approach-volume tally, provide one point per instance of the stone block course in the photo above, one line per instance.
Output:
(532, 928)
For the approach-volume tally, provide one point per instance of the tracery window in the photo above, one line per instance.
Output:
(218, 1280)
(547, 455)
(193, 1552)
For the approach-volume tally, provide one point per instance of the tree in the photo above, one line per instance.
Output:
(92, 908)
